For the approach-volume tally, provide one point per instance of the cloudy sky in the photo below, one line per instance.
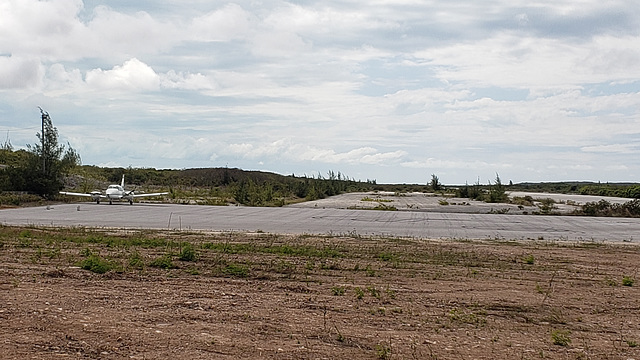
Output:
(394, 90)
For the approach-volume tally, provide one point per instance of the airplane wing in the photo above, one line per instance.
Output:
(150, 194)
(94, 194)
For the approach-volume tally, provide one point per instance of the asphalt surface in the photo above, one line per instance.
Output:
(328, 221)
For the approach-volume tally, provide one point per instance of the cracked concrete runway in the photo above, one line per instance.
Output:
(433, 225)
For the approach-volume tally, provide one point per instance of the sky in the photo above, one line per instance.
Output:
(390, 90)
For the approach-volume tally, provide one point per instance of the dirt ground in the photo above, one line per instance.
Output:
(266, 296)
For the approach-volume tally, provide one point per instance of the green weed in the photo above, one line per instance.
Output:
(188, 253)
(163, 262)
(236, 270)
(467, 317)
(337, 290)
(374, 292)
(136, 261)
(561, 337)
(96, 264)
(383, 352)
(529, 259)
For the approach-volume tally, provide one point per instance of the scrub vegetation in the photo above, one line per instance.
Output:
(112, 293)
(222, 186)
(35, 175)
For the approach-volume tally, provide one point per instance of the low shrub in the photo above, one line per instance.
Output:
(96, 264)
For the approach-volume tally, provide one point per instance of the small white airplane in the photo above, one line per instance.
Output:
(113, 192)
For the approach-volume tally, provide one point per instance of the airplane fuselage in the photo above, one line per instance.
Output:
(113, 192)
(117, 192)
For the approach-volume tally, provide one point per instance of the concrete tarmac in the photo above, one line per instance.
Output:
(432, 225)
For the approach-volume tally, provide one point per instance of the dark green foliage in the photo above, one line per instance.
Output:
(42, 167)
(474, 192)
(605, 208)
(492, 193)
(497, 192)
(626, 190)
(258, 192)
(188, 253)
(435, 183)
(615, 190)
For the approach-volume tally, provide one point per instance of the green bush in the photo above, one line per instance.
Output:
(605, 208)
(163, 262)
(561, 337)
(529, 259)
(96, 264)
(188, 253)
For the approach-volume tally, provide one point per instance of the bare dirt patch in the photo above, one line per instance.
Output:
(81, 293)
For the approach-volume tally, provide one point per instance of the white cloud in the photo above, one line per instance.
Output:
(613, 148)
(45, 29)
(225, 24)
(132, 75)
(115, 35)
(187, 81)
(395, 88)
(291, 151)
(18, 73)
(513, 61)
